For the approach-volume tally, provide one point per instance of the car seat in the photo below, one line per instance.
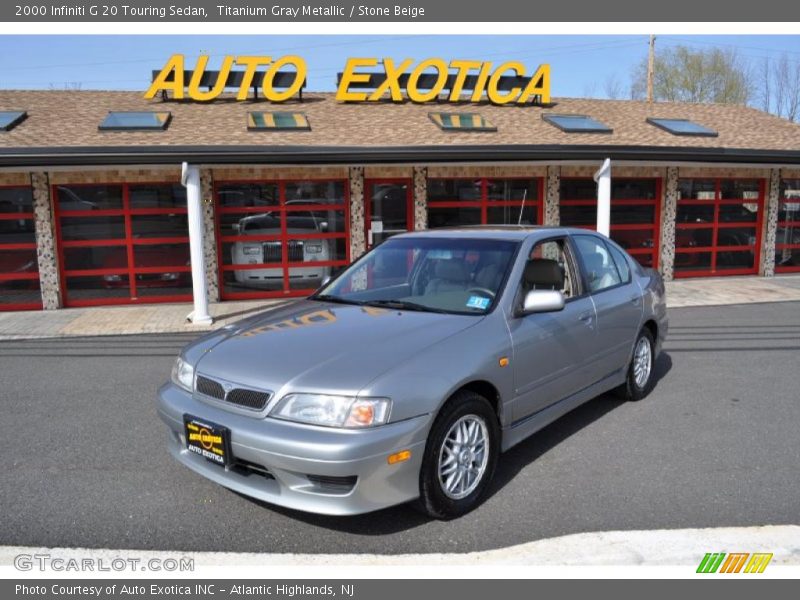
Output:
(543, 274)
(448, 275)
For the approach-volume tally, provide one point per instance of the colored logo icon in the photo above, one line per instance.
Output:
(735, 562)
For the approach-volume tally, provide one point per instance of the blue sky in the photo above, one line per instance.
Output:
(581, 65)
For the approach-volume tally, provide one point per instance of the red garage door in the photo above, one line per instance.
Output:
(787, 238)
(718, 228)
(280, 238)
(635, 211)
(454, 202)
(19, 267)
(123, 243)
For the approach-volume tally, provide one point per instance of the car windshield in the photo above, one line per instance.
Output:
(459, 276)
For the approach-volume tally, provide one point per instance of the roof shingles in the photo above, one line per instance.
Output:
(71, 119)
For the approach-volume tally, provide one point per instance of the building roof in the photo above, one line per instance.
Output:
(62, 125)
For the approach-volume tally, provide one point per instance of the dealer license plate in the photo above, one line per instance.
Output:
(207, 439)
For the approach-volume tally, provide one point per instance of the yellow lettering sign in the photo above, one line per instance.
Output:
(170, 78)
(174, 66)
(351, 76)
(487, 81)
(435, 73)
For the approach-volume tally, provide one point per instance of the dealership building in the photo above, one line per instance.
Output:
(93, 212)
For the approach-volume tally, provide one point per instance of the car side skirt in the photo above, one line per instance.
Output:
(524, 428)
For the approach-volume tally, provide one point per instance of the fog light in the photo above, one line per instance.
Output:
(399, 457)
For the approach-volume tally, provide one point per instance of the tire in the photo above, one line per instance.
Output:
(449, 496)
(637, 387)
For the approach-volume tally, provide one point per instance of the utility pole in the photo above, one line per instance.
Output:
(651, 65)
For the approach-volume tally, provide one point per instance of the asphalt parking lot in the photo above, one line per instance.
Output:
(717, 443)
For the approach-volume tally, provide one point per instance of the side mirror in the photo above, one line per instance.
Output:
(236, 227)
(541, 301)
(323, 227)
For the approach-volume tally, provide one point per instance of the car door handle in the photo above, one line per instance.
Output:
(585, 317)
(635, 300)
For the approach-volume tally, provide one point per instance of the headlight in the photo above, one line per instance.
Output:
(251, 250)
(333, 411)
(183, 374)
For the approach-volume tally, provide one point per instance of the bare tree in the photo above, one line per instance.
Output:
(780, 87)
(686, 75)
(766, 85)
(613, 88)
(590, 89)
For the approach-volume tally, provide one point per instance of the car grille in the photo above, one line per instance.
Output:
(248, 398)
(244, 397)
(209, 387)
(273, 251)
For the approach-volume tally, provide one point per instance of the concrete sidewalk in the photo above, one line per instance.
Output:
(171, 318)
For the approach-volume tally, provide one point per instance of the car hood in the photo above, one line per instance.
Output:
(324, 347)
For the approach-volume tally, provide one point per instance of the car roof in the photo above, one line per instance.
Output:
(496, 232)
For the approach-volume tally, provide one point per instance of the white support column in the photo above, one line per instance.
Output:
(190, 178)
(603, 179)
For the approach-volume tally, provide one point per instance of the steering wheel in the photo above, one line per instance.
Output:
(482, 290)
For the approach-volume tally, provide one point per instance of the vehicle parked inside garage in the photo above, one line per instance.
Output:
(299, 223)
(408, 375)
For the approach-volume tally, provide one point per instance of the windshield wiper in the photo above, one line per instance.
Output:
(405, 305)
(336, 299)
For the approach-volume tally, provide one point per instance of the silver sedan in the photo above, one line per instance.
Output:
(407, 376)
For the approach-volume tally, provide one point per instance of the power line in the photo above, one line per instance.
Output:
(761, 49)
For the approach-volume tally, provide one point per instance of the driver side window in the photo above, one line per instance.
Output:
(548, 268)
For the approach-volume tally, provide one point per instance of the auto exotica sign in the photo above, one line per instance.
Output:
(362, 80)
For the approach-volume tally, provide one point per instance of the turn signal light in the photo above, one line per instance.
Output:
(399, 457)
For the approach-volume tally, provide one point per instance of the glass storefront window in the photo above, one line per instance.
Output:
(157, 196)
(89, 197)
(246, 195)
(634, 212)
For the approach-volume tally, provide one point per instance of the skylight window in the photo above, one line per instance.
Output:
(461, 122)
(11, 118)
(682, 127)
(277, 121)
(135, 121)
(576, 123)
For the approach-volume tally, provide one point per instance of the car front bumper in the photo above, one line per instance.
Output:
(308, 468)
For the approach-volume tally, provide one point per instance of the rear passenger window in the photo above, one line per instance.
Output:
(601, 272)
(622, 264)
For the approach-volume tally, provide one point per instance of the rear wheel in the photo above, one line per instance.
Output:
(639, 380)
(460, 457)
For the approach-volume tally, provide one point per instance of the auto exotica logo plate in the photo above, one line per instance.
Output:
(207, 439)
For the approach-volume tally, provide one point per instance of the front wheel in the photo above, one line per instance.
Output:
(460, 457)
(639, 380)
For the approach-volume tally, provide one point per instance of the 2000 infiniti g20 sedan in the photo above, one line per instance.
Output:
(407, 376)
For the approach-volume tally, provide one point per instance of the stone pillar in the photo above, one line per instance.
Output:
(49, 277)
(769, 227)
(209, 234)
(358, 242)
(420, 198)
(552, 196)
(669, 211)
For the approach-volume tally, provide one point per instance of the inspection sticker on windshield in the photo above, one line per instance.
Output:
(478, 302)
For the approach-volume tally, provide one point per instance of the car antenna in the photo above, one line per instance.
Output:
(522, 206)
